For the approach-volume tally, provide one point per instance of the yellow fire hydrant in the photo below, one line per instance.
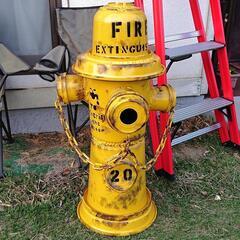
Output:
(114, 79)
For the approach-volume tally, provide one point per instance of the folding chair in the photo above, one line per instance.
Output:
(9, 65)
(74, 27)
(55, 62)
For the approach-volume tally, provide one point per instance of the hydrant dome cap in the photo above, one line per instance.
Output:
(119, 46)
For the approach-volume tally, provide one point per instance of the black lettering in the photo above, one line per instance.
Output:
(93, 94)
(138, 29)
(97, 49)
(146, 32)
(114, 174)
(127, 174)
(110, 49)
(102, 117)
(132, 49)
(146, 47)
(117, 49)
(115, 29)
(104, 49)
(129, 29)
(139, 48)
(124, 49)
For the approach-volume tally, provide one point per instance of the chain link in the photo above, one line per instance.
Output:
(162, 143)
(122, 154)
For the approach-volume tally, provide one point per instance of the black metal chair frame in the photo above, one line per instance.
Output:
(6, 128)
(57, 69)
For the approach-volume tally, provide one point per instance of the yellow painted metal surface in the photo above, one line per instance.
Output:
(120, 47)
(116, 85)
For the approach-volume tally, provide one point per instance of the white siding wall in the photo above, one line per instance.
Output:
(187, 77)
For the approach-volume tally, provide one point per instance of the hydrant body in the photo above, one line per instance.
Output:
(114, 79)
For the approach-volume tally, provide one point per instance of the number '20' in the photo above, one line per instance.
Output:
(127, 175)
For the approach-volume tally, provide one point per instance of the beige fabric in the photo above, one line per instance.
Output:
(56, 56)
(75, 29)
(10, 63)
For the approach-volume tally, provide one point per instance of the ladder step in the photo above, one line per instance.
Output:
(197, 133)
(182, 36)
(206, 105)
(176, 37)
(192, 49)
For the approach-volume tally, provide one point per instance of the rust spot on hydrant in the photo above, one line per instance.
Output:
(102, 68)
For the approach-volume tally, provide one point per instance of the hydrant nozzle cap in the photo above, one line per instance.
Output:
(119, 47)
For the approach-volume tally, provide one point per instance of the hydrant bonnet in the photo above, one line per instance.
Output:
(120, 46)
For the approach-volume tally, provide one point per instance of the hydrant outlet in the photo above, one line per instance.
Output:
(127, 112)
(162, 98)
(70, 88)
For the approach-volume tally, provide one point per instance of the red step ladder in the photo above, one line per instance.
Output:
(222, 104)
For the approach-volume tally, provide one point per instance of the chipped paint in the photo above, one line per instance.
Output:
(115, 82)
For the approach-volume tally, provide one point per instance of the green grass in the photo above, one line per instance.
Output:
(34, 208)
(13, 154)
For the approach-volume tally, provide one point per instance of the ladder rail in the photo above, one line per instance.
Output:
(165, 160)
(208, 67)
(228, 130)
(139, 3)
(224, 69)
(153, 126)
(207, 63)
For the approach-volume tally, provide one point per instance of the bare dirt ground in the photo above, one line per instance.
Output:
(50, 149)
(44, 185)
(53, 148)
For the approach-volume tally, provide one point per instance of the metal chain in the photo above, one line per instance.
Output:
(122, 154)
(162, 143)
(74, 144)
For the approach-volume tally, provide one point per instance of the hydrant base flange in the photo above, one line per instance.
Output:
(117, 225)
